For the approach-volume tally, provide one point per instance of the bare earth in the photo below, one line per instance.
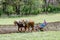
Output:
(8, 29)
(53, 26)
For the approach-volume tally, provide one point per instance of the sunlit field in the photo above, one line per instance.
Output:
(45, 35)
(49, 35)
(11, 10)
(36, 18)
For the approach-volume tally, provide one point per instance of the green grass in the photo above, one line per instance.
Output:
(49, 35)
(36, 18)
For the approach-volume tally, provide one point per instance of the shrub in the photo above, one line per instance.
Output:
(1, 12)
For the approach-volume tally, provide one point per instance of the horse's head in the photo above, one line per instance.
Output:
(15, 23)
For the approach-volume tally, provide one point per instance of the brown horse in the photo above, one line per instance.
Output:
(28, 24)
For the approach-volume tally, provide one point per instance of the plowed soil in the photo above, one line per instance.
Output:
(52, 26)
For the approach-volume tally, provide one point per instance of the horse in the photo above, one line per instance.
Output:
(20, 24)
(25, 23)
(28, 24)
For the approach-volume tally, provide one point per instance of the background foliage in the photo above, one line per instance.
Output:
(28, 7)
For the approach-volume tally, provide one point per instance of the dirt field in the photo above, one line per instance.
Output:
(8, 29)
(53, 26)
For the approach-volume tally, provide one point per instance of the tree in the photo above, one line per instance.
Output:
(16, 3)
(31, 7)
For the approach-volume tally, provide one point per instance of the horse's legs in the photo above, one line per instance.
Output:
(28, 27)
(21, 29)
(25, 28)
(32, 28)
(18, 28)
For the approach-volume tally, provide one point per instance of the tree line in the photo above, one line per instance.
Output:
(28, 7)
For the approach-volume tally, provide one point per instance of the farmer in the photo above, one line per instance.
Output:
(42, 25)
